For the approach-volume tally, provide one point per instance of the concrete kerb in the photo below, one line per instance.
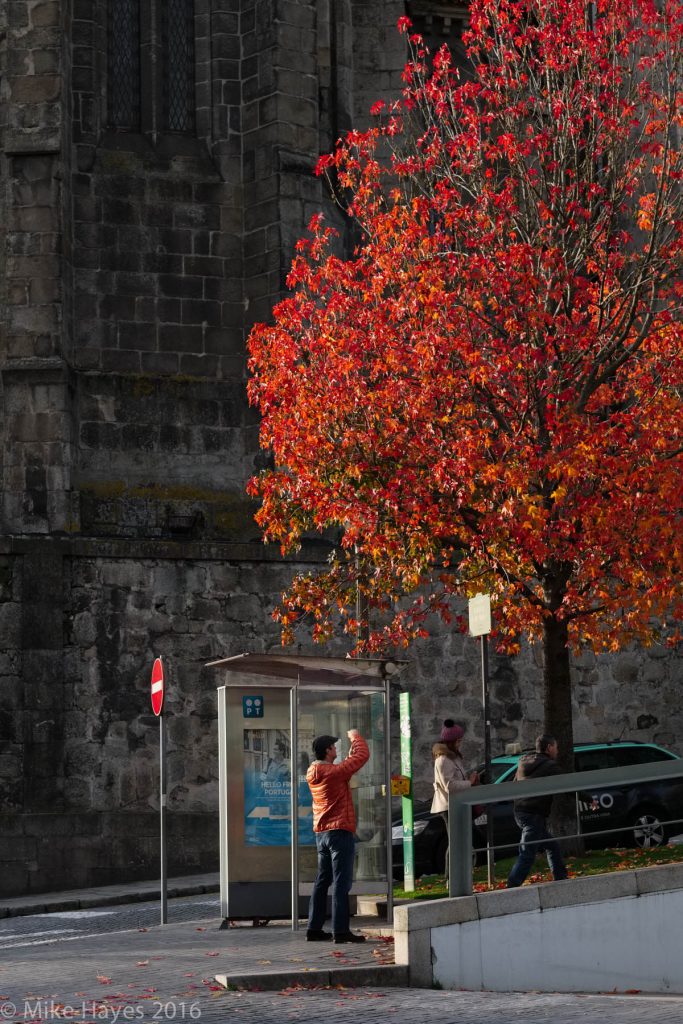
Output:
(666, 876)
(371, 976)
(591, 889)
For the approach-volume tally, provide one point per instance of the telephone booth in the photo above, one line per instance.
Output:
(270, 708)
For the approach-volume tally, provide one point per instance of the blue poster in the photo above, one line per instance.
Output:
(267, 790)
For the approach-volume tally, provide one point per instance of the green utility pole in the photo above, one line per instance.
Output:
(407, 801)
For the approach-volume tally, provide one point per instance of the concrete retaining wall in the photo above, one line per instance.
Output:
(615, 932)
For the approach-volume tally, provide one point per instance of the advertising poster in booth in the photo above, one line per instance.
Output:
(267, 790)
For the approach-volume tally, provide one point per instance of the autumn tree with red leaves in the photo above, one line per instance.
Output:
(487, 396)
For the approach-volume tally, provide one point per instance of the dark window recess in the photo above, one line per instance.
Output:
(640, 755)
(123, 64)
(178, 65)
(592, 760)
(439, 23)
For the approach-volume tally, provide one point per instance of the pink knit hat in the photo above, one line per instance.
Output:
(451, 731)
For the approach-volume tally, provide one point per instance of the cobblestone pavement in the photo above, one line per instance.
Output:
(167, 974)
(414, 1006)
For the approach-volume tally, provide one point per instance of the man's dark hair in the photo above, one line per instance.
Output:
(543, 742)
(321, 744)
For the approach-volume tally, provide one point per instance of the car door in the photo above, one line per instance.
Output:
(652, 800)
(618, 806)
(602, 807)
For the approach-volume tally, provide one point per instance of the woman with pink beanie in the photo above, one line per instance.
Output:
(449, 770)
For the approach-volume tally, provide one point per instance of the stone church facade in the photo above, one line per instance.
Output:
(156, 170)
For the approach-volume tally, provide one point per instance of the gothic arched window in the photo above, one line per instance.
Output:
(178, 63)
(151, 66)
(123, 64)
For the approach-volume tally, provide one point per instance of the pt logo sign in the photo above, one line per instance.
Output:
(157, 686)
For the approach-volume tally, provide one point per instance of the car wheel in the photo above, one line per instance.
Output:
(648, 831)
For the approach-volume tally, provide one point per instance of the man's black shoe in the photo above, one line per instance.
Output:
(349, 937)
(318, 936)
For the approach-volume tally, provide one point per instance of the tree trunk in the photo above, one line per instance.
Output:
(557, 701)
(557, 690)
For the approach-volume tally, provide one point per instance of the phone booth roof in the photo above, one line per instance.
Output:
(311, 672)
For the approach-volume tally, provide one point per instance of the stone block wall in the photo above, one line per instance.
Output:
(36, 418)
(154, 218)
(81, 622)
(280, 131)
(165, 458)
(11, 697)
(380, 54)
(52, 851)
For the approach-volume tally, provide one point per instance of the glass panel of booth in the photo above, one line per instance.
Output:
(334, 713)
(267, 787)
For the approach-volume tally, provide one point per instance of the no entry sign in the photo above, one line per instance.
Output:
(157, 686)
(157, 693)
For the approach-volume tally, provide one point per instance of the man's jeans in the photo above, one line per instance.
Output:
(336, 850)
(535, 837)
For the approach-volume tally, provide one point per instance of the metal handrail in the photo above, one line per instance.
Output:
(460, 816)
(576, 835)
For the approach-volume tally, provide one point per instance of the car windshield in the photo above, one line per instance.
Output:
(498, 769)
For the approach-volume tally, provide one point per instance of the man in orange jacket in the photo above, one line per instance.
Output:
(334, 825)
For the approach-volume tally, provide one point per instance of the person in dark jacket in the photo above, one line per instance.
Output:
(531, 815)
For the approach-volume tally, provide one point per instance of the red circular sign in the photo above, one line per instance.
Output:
(157, 686)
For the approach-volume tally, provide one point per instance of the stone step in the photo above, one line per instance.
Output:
(375, 906)
(370, 976)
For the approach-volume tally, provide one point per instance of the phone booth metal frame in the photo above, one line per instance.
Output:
(299, 675)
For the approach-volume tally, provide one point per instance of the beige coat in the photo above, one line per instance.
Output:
(449, 776)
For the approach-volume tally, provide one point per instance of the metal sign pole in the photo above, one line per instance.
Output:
(294, 799)
(162, 814)
(480, 625)
(407, 801)
(223, 821)
(491, 871)
(387, 802)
